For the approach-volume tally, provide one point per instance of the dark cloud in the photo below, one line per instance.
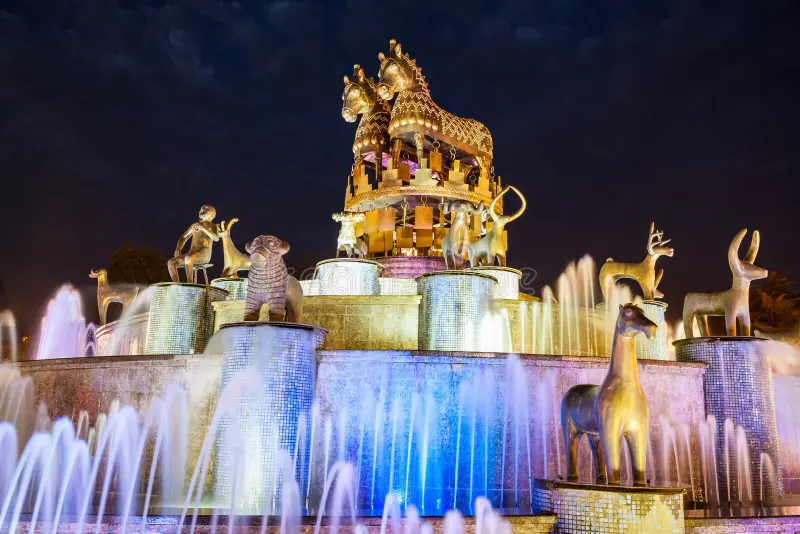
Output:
(119, 119)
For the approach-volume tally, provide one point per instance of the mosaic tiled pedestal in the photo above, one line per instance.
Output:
(610, 509)
(738, 386)
(653, 349)
(507, 281)
(181, 318)
(267, 386)
(236, 287)
(453, 309)
(348, 276)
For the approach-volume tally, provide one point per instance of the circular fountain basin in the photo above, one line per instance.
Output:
(348, 276)
(181, 318)
(453, 309)
(507, 280)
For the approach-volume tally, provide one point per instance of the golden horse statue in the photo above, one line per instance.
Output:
(613, 410)
(360, 97)
(415, 116)
(644, 272)
(735, 302)
(492, 246)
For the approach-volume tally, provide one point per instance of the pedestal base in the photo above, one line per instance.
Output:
(181, 319)
(738, 386)
(656, 348)
(454, 309)
(348, 276)
(267, 388)
(610, 509)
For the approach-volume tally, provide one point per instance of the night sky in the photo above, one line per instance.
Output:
(118, 120)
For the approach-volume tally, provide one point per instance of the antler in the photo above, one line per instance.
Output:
(733, 251)
(654, 237)
(490, 209)
(752, 252)
(522, 208)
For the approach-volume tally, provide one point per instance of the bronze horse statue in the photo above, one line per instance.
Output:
(360, 97)
(615, 409)
(415, 116)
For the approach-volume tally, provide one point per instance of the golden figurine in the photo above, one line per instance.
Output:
(202, 234)
(735, 302)
(107, 293)
(414, 112)
(645, 272)
(347, 239)
(613, 410)
(457, 240)
(360, 97)
(234, 260)
(270, 283)
(492, 246)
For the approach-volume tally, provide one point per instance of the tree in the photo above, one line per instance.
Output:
(137, 265)
(775, 307)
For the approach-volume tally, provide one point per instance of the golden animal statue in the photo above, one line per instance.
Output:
(107, 293)
(234, 260)
(492, 246)
(415, 116)
(270, 283)
(347, 239)
(644, 272)
(734, 303)
(202, 234)
(458, 237)
(615, 409)
(360, 97)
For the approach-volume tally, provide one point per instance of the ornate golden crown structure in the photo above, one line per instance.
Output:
(410, 159)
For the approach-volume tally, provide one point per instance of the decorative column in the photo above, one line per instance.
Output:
(653, 349)
(454, 309)
(268, 372)
(738, 386)
(181, 319)
(236, 287)
(348, 276)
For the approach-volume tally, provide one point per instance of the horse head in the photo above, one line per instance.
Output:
(632, 320)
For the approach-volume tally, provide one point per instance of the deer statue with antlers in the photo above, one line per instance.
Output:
(645, 272)
(735, 302)
(492, 247)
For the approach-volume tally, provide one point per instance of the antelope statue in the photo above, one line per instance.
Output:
(457, 240)
(234, 261)
(347, 239)
(360, 97)
(645, 272)
(416, 116)
(492, 246)
(615, 409)
(734, 303)
(106, 293)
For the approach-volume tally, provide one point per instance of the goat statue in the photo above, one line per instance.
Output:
(457, 240)
(106, 293)
(644, 272)
(234, 260)
(735, 302)
(615, 409)
(492, 247)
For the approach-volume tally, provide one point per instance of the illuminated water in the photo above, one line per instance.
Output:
(64, 332)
